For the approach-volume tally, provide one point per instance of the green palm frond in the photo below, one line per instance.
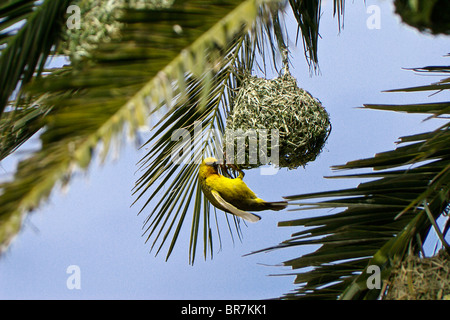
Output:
(29, 33)
(202, 126)
(383, 219)
(18, 125)
(308, 14)
(29, 30)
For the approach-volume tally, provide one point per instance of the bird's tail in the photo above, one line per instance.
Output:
(277, 206)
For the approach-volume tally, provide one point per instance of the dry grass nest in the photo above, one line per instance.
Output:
(302, 122)
(421, 279)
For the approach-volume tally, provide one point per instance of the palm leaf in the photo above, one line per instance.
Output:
(383, 219)
(29, 32)
(26, 46)
(24, 120)
(308, 13)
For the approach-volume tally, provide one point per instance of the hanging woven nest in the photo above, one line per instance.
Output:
(421, 279)
(261, 104)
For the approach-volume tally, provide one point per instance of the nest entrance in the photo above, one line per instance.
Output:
(263, 105)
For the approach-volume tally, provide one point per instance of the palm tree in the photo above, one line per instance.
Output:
(188, 69)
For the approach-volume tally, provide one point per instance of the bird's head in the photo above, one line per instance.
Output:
(210, 164)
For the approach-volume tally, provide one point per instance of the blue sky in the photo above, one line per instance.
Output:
(93, 226)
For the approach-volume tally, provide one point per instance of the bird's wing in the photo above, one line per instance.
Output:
(243, 214)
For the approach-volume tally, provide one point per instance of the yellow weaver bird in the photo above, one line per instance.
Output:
(232, 195)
